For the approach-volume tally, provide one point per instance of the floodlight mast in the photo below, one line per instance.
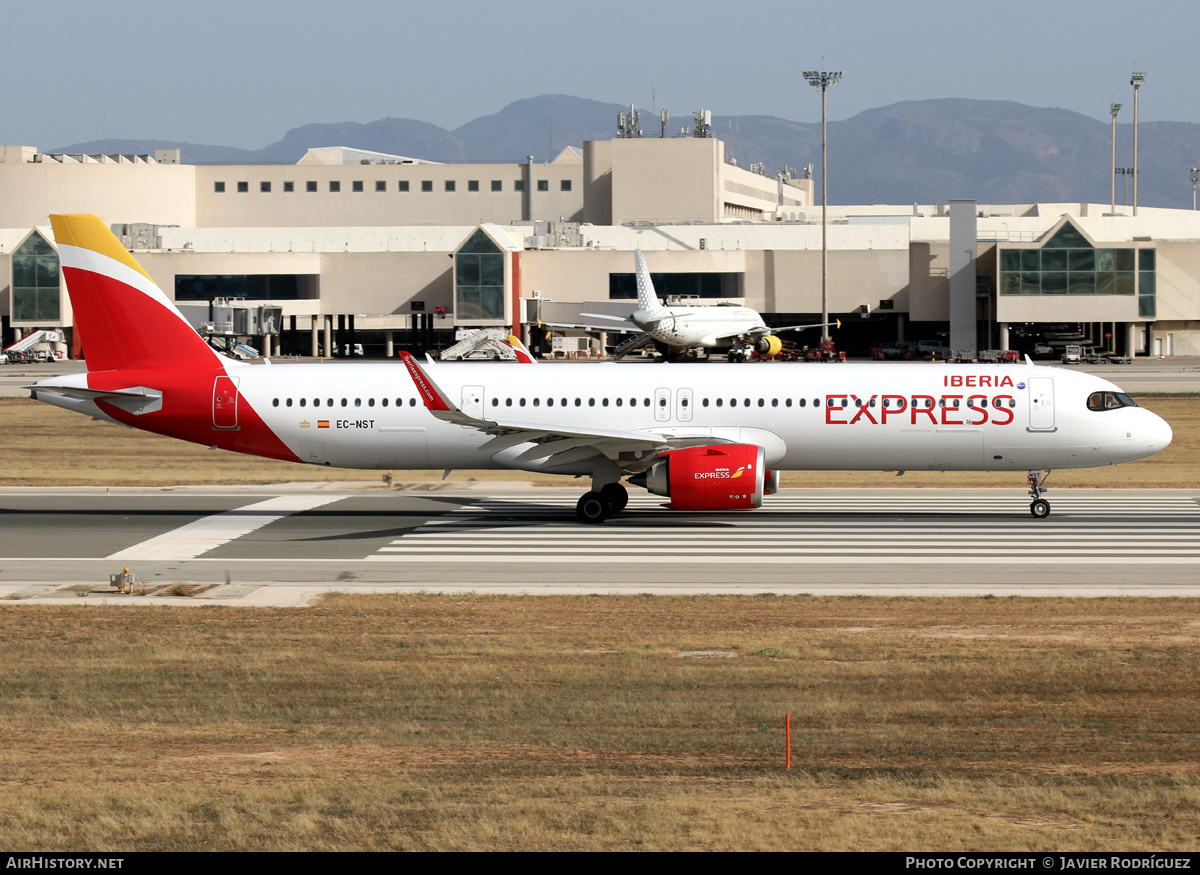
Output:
(1115, 109)
(1125, 172)
(1136, 81)
(823, 80)
(1195, 177)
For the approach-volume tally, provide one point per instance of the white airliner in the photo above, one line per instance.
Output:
(702, 435)
(686, 327)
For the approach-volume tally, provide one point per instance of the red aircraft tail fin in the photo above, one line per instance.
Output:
(122, 318)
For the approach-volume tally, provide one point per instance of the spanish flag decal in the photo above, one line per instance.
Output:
(322, 423)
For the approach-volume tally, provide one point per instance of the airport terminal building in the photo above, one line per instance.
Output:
(351, 247)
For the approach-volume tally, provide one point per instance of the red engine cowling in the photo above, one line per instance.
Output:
(720, 477)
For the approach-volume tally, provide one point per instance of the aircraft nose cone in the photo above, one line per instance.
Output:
(1160, 434)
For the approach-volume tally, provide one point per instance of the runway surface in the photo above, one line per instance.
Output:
(268, 545)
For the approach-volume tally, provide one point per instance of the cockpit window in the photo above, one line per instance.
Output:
(1109, 401)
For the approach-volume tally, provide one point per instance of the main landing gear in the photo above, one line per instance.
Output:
(1040, 508)
(596, 507)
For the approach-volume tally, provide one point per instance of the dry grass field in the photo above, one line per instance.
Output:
(46, 446)
(603, 722)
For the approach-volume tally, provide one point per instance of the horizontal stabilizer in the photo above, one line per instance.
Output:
(135, 399)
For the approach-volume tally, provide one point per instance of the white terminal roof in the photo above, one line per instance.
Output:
(348, 155)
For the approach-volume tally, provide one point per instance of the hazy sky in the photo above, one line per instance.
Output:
(242, 74)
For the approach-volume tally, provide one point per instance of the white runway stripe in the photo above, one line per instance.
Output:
(200, 536)
(1164, 529)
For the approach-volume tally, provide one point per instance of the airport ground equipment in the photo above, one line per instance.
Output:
(486, 343)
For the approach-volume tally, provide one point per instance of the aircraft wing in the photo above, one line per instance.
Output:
(566, 443)
(759, 332)
(754, 333)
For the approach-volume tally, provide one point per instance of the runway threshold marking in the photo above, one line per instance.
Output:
(200, 536)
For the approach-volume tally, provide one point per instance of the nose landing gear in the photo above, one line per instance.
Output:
(1040, 508)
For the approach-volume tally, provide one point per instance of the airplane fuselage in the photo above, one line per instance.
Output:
(701, 326)
(806, 417)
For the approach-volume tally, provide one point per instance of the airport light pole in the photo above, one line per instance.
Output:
(823, 81)
(1195, 176)
(1114, 108)
(1136, 81)
(1125, 172)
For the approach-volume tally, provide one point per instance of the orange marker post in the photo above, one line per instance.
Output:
(787, 722)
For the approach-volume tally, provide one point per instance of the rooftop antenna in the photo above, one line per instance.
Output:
(628, 123)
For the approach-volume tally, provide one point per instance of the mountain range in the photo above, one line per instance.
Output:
(926, 151)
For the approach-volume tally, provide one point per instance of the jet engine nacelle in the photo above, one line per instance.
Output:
(719, 477)
(768, 346)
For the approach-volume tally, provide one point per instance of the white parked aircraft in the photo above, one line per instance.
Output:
(700, 434)
(741, 329)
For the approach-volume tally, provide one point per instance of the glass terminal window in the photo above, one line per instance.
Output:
(1067, 264)
(35, 294)
(479, 279)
